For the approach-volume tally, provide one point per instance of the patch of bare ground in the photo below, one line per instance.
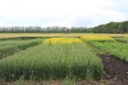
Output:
(116, 70)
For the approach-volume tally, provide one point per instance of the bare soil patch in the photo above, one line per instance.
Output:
(116, 70)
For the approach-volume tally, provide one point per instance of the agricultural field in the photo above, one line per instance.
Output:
(14, 35)
(9, 47)
(122, 39)
(65, 59)
(115, 48)
(109, 45)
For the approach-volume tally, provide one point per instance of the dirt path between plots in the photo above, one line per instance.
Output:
(116, 70)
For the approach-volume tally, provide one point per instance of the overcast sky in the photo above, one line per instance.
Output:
(61, 12)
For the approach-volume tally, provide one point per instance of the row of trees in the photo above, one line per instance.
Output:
(38, 29)
(112, 27)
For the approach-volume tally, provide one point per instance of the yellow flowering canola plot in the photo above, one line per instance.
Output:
(62, 41)
(97, 38)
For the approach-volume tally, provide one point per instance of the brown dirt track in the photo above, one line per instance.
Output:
(116, 70)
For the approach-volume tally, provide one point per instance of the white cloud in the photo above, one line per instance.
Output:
(62, 12)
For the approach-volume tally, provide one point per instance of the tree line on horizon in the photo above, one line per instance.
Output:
(112, 27)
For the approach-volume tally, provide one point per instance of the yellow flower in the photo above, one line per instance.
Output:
(96, 38)
(62, 41)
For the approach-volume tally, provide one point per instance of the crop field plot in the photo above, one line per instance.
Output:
(117, 49)
(122, 39)
(53, 61)
(115, 55)
(113, 46)
(64, 58)
(11, 46)
(27, 35)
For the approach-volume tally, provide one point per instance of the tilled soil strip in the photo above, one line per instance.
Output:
(116, 70)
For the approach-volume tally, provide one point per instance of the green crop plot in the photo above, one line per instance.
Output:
(122, 39)
(53, 62)
(11, 46)
(119, 50)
